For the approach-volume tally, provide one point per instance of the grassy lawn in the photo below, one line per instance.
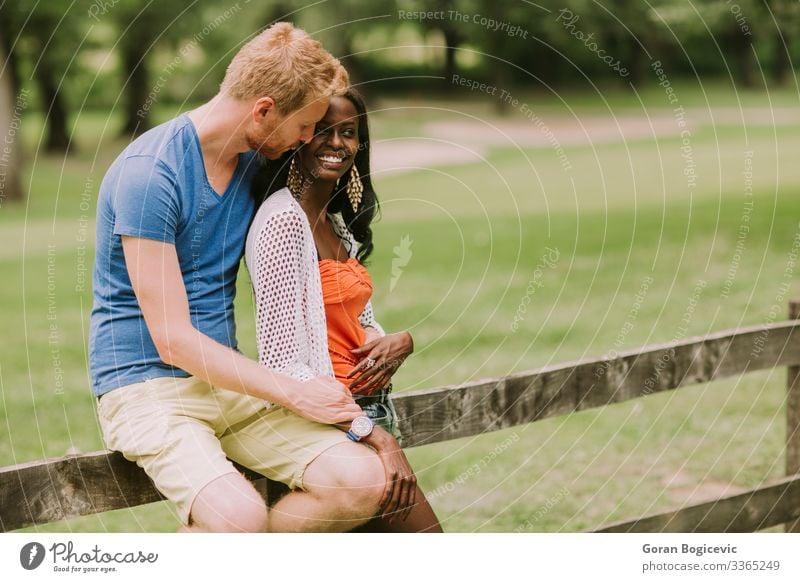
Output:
(623, 221)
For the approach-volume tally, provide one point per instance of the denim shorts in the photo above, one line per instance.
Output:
(379, 408)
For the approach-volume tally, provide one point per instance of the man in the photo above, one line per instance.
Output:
(175, 395)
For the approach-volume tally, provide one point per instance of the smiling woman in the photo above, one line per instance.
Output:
(331, 150)
(340, 144)
(306, 251)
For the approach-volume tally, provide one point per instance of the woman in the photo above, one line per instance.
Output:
(306, 252)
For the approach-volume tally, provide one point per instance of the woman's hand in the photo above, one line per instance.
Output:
(379, 359)
(370, 333)
(401, 483)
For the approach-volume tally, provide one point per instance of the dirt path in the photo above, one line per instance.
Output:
(462, 142)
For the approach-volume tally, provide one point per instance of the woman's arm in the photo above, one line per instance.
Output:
(279, 272)
(387, 352)
(378, 361)
(368, 321)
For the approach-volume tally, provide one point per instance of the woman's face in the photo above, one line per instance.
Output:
(330, 153)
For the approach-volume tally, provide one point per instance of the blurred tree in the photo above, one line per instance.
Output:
(453, 31)
(10, 183)
(511, 59)
(278, 11)
(10, 61)
(340, 25)
(712, 32)
(627, 34)
(784, 18)
(188, 64)
(47, 35)
(142, 25)
(47, 77)
(737, 33)
(453, 37)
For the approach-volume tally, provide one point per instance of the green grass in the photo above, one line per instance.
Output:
(621, 214)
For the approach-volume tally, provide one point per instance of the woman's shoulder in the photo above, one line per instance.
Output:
(277, 202)
(279, 206)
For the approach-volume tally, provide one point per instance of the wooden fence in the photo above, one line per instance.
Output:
(46, 491)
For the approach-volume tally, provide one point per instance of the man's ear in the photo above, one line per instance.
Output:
(262, 107)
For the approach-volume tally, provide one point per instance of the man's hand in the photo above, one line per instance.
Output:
(323, 400)
(379, 360)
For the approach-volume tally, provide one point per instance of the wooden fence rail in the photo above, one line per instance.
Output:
(46, 491)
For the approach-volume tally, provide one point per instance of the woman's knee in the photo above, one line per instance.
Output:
(351, 472)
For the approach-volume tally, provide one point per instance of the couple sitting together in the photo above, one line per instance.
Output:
(274, 168)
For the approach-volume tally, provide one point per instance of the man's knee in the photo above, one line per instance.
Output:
(229, 504)
(350, 473)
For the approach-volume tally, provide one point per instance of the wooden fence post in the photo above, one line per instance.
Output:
(793, 416)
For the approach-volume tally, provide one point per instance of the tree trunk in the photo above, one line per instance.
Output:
(637, 63)
(781, 65)
(10, 112)
(451, 40)
(744, 60)
(137, 89)
(10, 60)
(350, 60)
(56, 113)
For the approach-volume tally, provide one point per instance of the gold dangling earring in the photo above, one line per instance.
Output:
(355, 188)
(294, 180)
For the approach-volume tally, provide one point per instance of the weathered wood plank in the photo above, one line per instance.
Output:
(42, 492)
(765, 506)
(46, 491)
(451, 412)
(793, 418)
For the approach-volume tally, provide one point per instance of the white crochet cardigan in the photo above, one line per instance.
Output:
(280, 254)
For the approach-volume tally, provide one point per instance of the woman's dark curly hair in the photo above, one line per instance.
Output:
(272, 174)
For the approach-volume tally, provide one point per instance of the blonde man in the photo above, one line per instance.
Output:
(175, 394)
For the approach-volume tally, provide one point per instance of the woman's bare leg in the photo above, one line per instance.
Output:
(420, 519)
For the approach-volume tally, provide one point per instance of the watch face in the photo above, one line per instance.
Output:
(362, 426)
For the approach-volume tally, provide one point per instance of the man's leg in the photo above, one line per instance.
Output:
(167, 426)
(228, 504)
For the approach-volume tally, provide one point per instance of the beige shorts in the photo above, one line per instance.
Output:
(183, 431)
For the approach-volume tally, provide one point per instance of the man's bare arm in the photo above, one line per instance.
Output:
(155, 273)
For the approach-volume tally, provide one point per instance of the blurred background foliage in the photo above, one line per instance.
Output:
(105, 54)
(596, 166)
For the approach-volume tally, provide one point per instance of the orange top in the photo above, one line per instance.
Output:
(346, 288)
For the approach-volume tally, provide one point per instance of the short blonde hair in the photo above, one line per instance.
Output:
(285, 63)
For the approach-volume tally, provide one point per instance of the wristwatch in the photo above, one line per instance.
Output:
(361, 428)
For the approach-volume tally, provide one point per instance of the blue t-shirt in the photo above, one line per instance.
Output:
(157, 189)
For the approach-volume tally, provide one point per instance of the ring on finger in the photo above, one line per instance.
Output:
(370, 363)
